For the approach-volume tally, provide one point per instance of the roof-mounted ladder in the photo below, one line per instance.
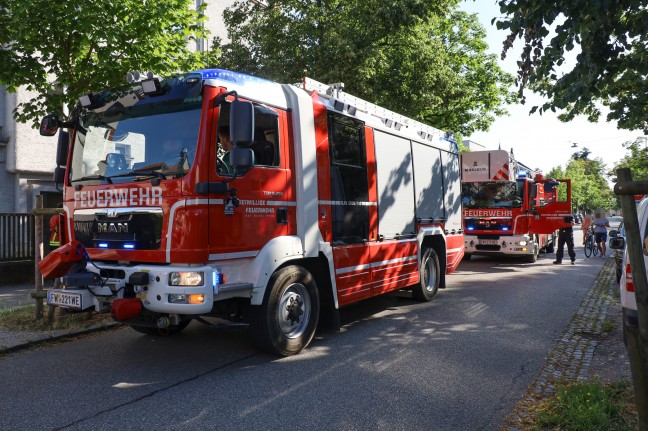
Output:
(347, 103)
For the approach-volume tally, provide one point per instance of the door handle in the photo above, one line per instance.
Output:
(282, 215)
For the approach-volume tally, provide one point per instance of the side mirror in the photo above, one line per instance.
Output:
(617, 243)
(59, 175)
(62, 148)
(241, 122)
(241, 158)
(49, 125)
(613, 233)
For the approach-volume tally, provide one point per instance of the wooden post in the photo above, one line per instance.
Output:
(38, 255)
(39, 293)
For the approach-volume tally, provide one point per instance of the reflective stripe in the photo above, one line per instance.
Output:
(359, 203)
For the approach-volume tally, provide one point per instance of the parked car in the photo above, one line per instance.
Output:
(626, 289)
(617, 243)
(577, 219)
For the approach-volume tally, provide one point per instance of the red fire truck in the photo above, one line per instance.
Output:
(508, 209)
(324, 200)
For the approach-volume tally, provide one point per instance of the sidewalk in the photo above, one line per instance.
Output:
(16, 295)
(584, 350)
(20, 295)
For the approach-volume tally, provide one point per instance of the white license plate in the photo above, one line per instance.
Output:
(63, 299)
(487, 242)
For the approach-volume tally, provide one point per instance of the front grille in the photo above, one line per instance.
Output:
(119, 228)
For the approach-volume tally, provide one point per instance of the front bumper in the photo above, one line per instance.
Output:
(488, 245)
(157, 295)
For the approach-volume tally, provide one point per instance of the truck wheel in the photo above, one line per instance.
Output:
(550, 247)
(467, 256)
(162, 332)
(533, 257)
(286, 322)
(429, 277)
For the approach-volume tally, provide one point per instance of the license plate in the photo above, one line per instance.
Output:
(64, 299)
(488, 242)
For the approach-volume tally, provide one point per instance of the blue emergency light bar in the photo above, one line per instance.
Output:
(228, 75)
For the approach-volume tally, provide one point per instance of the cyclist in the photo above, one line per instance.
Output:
(600, 223)
(586, 225)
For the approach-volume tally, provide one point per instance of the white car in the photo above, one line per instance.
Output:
(626, 285)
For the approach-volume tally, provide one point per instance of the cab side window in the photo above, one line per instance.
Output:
(266, 136)
(265, 144)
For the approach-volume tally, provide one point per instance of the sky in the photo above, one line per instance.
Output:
(542, 141)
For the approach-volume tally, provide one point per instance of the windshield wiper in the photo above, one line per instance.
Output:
(92, 177)
(142, 172)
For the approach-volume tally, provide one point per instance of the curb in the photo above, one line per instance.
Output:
(32, 339)
(571, 355)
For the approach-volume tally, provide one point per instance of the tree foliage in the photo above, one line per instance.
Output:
(610, 40)
(423, 59)
(80, 47)
(636, 160)
(590, 189)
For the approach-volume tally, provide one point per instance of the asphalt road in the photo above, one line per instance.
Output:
(460, 362)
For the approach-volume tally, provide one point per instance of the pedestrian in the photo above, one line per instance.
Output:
(585, 226)
(600, 223)
(566, 235)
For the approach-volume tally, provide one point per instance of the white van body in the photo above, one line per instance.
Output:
(628, 299)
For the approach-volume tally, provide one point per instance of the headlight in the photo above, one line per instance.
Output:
(523, 243)
(188, 278)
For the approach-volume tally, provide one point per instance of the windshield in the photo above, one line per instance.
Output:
(135, 136)
(492, 195)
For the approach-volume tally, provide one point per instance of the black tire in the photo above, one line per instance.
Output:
(467, 256)
(551, 247)
(533, 258)
(285, 324)
(159, 332)
(588, 248)
(430, 276)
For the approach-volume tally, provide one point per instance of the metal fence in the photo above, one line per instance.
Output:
(16, 237)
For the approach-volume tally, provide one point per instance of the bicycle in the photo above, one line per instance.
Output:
(590, 247)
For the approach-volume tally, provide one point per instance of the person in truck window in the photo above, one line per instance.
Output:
(600, 223)
(224, 165)
(566, 235)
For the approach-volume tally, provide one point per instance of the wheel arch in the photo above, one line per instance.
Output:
(320, 268)
(437, 242)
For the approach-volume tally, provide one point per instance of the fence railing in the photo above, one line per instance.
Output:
(16, 237)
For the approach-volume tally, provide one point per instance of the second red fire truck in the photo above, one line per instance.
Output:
(508, 209)
(324, 200)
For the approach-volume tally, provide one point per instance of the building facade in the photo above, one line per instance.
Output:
(27, 160)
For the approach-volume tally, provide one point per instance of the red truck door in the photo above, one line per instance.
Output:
(264, 205)
(550, 205)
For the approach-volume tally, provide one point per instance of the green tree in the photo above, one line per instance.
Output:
(63, 49)
(636, 160)
(557, 172)
(424, 59)
(610, 39)
(590, 189)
